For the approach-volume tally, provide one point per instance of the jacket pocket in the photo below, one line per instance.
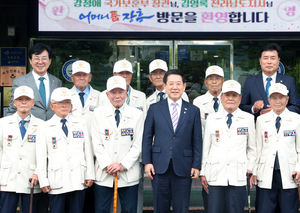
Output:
(31, 169)
(188, 153)
(55, 176)
(155, 149)
(292, 165)
(4, 173)
(241, 169)
(261, 167)
(98, 173)
(212, 169)
(83, 170)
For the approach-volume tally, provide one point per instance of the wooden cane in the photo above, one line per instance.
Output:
(31, 197)
(115, 194)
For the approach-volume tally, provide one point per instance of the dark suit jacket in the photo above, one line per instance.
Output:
(39, 110)
(184, 146)
(254, 91)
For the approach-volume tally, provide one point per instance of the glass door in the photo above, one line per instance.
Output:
(193, 58)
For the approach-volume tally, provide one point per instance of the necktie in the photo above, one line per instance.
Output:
(64, 126)
(117, 117)
(81, 94)
(22, 128)
(277, 124)
(229, 120)
(216, 104)
(174, 115)
(161, 96)
(42, 90)
(268, 86)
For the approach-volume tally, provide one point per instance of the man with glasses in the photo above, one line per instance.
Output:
(210, 103)
(157, 70)
(41, 82)
(65, 162)
(173, 159)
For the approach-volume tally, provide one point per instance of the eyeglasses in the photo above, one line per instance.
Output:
(43, 59)
(172, 84)
(61, 103)
(214, 79)
(158, 73)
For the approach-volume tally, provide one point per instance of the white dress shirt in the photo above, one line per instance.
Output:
(178, 106)
(46, 83)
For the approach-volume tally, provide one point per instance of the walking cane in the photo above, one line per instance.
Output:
(248, 188)
(31, 197)
(115, 194)
(294, 176)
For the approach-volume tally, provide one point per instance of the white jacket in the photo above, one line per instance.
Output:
(18, 160)
(153, 99)
(228, 153)
(204, 103)
(110, 146)
(288, 148)
(137, 99)
(86, 112)
(70, 161)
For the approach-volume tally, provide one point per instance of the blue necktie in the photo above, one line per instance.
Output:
(229, 120)
(268, 86)
(22, 129)
(117, 117)
(216, 104)
(277, 124)
(161, 96)
(42, 90)
(64, 126)
(81, 94)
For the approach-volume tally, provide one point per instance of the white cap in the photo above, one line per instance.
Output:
(60, 94)
(116, 82)
(81, 66)
(23, 91)
(158, 64)
(231, 86)
(122, 65)
(214, 70)
(278, 88)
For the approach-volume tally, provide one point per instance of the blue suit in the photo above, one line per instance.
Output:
(172, 154)
(254, 90)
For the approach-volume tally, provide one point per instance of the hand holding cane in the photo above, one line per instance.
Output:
(31, 197)
(294, 176)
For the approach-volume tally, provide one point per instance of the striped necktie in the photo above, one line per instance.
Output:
(174, 115)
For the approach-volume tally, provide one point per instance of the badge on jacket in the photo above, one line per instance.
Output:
(78, 134)
(128, 131)
(140, 108)
(92, 108)
(266, 136)
(9, 140)
(242, 131)
(205, 116)
(217, 135)
(32, 138)
(54, 144)
(289, 133)
(106, 133)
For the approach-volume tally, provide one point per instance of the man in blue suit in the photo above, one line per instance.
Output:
(254, 99)
(173, 159)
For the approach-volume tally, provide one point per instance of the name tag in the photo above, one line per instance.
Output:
(125, 132)
(78, 134)
(32, 138)
(92, 108)
(242, 131)
(289, 132)
(140, 108)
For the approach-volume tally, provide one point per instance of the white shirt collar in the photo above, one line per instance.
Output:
(157, 92)
(225, 113)
(179, 102)
(36, 76)
(265, 77)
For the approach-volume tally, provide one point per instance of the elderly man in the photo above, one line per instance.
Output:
(17, 153)
(278, 149)
(256, 88)
(84, 100)
(173, 159)
(40, 81)
(157, 70)
(117, 139)
(64, 156)
(210, 102)
(228, 153)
